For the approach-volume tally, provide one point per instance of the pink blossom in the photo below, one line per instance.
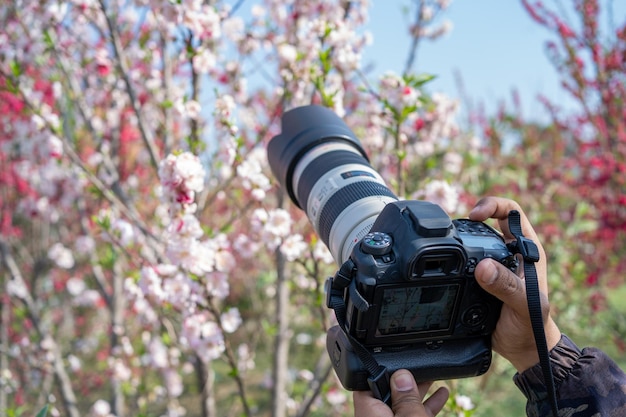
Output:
(293, 247)
(464, 402)
(191, 255)
(336, 397)
(101, 408)
(204, 61)
(192, 109)
(17, 289)
(75, 286)
(157, 356)
(224, 106)
(185, 226)
(216, 284)
(119, 370)
(244, 246)
(55, 146)
(181, 177)
(124, 232)
(151, 284)
(278, 223)
(178, 291)
(84, 244)
(245, 358)
(231, 320)
(288, 53)
(61, 256)
(441, 193)
(453, 162)
(321, 253)
(173, 382)
(87, 298)
(203, 336)
(251, 171)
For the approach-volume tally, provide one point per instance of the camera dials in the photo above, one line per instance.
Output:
(376, 243)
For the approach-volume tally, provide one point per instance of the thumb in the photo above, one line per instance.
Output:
(502, 283)
(407, 397)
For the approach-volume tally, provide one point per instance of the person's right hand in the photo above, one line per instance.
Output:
(513, 337)
(407, 399)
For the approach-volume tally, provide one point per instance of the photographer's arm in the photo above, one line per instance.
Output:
(588, 382)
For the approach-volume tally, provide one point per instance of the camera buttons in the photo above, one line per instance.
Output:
(474, 315)
(376, 243)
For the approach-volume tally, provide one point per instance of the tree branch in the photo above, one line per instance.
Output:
(122, 67)
(63, 379)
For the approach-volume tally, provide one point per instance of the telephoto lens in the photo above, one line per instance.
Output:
(326, 173)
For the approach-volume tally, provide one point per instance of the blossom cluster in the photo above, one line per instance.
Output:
(181, 177)
(273, 228)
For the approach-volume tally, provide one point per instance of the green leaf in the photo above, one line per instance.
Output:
(16, 69)
(47, 39)
(419, 80)
(43, 412)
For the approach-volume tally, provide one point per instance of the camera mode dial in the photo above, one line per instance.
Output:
(376, 243)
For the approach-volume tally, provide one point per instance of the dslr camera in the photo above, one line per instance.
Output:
(404, 295)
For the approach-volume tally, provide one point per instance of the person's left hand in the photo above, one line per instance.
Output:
(407, 399)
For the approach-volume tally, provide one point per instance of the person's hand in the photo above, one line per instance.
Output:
(513, 337)
(407, 399)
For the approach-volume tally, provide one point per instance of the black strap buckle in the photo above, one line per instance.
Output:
(527, 248)
(380, 385)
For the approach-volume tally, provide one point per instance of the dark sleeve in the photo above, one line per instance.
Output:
(588, 384)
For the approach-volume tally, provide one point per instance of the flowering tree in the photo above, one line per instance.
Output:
(150, 265)
(142, 240)
(576, 163)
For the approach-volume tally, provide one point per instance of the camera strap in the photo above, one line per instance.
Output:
(378, 379)
(530, 253)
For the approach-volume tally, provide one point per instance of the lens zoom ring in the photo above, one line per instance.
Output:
(318, 167)
(343, 198)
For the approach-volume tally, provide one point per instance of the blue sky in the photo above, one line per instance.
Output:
(494, 45)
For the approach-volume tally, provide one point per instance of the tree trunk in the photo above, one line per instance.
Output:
(281, 340)
(205, 376)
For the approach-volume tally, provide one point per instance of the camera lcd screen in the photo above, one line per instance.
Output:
(416, 309)
(487, 242)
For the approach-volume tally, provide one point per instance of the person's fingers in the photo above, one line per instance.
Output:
(500, 282)
(365, 405)
(407, 396)
(499, 208)
(406, 399)
(435, 403)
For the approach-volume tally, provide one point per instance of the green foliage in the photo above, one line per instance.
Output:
(43, 412)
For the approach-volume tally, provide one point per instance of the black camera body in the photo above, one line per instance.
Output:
(405, 295)
(425, 311)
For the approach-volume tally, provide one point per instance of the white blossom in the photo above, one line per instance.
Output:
(61, 256)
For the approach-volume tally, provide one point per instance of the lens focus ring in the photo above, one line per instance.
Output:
(346, 196)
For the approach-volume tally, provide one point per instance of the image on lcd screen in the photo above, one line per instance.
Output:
(416, 309)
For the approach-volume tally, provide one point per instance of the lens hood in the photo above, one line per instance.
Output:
(302, 129)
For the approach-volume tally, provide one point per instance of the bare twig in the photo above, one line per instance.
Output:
(415, 38)
(231, 359)
(322, 372)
